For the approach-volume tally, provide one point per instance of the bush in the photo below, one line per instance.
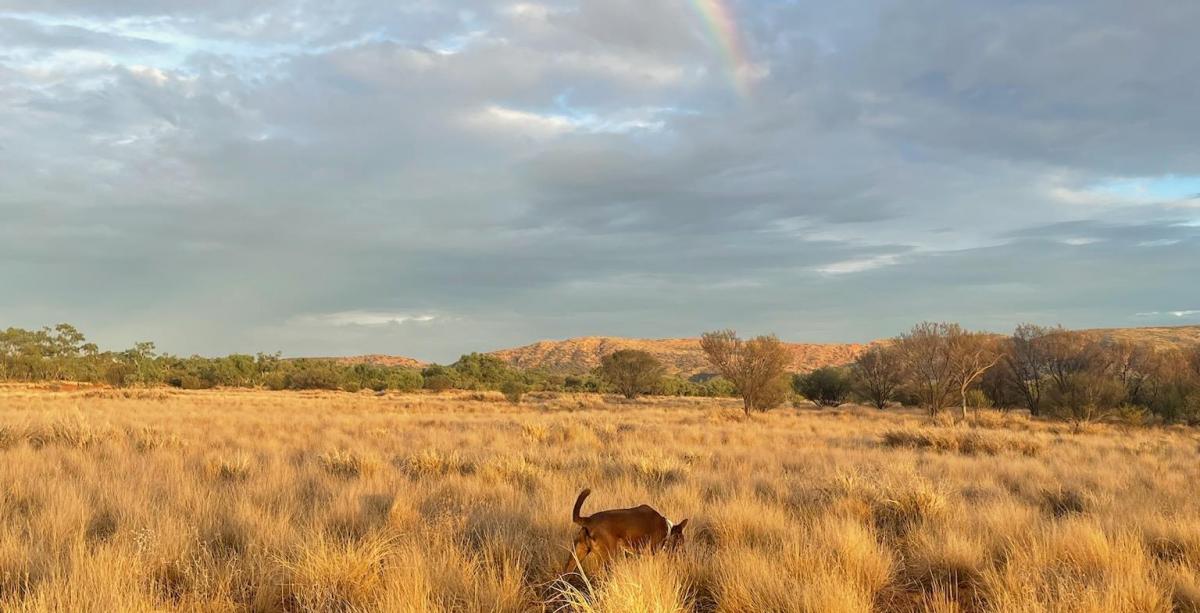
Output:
(581, 383)
(275, 381)
(119, 374)
(977, 399)
(439, 383)
(314, 377)
(631, 372)
(188, 382)
(1086, 397)
(1190, 413)
(828, 386)
(481, 371)
(719, 386)
(513, 390)
(405, 380)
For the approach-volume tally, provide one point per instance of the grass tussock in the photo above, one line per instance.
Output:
(279, 502)
(347, 464)
(963, 441)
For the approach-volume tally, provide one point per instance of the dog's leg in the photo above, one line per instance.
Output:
(582, 549)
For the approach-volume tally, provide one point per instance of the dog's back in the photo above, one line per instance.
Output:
(638, 528)
(608, 532)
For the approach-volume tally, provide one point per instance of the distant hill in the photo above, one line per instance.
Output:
(683, 355)
(382, 360)
(1161, 337)
(680, 355)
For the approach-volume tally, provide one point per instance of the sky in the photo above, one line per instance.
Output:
(434, 177)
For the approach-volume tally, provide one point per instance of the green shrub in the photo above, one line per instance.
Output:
(439, 383)
(828, 386)
(120, 374)
(275, 381)
(189, 382)
(405, 380)
(481, 371)
(513, 390)
(316, 376)
(719, 386)
(977, 399)
(631, 372)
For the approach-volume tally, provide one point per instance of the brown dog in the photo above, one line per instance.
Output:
(607, 533)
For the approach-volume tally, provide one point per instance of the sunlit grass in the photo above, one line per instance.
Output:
(151, 500)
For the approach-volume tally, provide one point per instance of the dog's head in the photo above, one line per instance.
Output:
(675, 536)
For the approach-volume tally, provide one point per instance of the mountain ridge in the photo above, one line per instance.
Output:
(683, 356)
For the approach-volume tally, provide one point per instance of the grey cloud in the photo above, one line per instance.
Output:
(587, 170)
(28, 34)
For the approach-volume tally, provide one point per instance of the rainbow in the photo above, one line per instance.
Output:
(724, 31)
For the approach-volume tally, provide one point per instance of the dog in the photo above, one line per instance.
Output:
(608, 533)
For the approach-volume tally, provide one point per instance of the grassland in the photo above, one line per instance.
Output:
(148, 500)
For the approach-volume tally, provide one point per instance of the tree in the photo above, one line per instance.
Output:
(631, 372)
(876, 374)
(482, 371)
(1069, 353)
(513, 390)
(1026, 364)
(755, 367)
(971, 355)
(1192, 355)
(1086, 397)
(1135, 366)
(314, 375)
(828, 386)
(928, 363)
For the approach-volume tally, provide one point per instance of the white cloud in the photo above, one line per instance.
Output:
(546, 125)
(364, 318)
(1186, 313)
(531, 124)
(846, 267)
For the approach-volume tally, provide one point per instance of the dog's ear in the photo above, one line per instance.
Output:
(678, 528)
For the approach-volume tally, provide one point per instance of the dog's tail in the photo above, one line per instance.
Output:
(578, 506)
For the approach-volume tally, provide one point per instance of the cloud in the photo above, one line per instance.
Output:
(365, 318)
(1187, 313)
(223, 177)
(545, 125)
(846, 267)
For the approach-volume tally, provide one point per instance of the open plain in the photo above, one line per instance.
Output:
(225, 500)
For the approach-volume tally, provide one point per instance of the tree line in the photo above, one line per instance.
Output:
(1049, 371)
(62, 353)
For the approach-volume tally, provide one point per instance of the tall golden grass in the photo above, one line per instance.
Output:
(275, 501)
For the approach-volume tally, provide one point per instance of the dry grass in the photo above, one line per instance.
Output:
(158, 500)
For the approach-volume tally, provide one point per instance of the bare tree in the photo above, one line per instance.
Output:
(1193, 358)
(1069, 353)
(878, 373)
(756, 366)
(928, 362)
(1134, 365)
(1026, 364)
(1086, 397)
(971, 355)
